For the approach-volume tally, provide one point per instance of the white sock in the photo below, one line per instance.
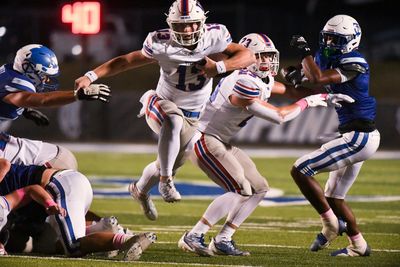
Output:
(169, 143)
(150, 177)
(226, 233)
(330, 224)
(358, 242)
(244, 208)
(200, 228)
(220, 207)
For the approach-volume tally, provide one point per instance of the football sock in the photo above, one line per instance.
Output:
(220, 207)
(244, 208)
(200, 228)
(358, 242)
(169, 143)
(226, 233)
(330, 224)
(120, 239)
(149, 178)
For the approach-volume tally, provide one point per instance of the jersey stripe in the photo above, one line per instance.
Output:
(245, 91)
(23, 83)
(353, 60)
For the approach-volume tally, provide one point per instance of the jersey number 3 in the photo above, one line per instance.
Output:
(191, 86)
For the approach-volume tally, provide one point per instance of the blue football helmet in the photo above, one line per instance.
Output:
(39, 64)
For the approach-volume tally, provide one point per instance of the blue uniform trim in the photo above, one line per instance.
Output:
(190, 114)
(74, 246)
(346, 155)
(304, 167)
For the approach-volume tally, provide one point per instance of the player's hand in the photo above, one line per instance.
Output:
(56, 209)
(298, 42)
(207, 67)
(100, 92)
(316, 100)
(333, 100)
(82, 82)
(36, 116)
(292, 75)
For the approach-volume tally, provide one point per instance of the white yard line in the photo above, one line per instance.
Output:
(116, 261)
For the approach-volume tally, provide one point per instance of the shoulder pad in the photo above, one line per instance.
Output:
(353, 67)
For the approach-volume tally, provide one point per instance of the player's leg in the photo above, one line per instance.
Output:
(244, 207)
(63, 160)
(217, 161)
(337, 186)
(140, 190)
(350, 148)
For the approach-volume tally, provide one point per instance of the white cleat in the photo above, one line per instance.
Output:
(137, 244)
(168, 191)
(194, 243)
(147, 205)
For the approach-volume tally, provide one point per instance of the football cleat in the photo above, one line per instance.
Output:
(322, 242)
(168, 191)
(137, 244)
(147, 205)
(351, 251)
(226, 248)
(194, 243)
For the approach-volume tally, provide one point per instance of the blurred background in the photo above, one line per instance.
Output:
(125, 24)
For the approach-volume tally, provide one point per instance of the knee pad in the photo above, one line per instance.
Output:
(64, 160)
(246, 189)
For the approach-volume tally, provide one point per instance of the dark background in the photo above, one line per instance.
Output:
(125, 25)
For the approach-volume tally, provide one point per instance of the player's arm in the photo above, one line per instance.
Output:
(25, 99)
(24, 195)
(234, 57)
(114, 66)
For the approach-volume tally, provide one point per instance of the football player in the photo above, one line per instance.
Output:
(30, 83)
(173, 109)
(237, 98)
(72, 192)
(341, 68)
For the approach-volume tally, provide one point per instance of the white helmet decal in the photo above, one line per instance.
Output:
(184, 12)
(260, 43)
(342, 33)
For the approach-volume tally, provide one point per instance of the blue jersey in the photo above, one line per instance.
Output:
(12, 81)
(20, 176)
(364, 107)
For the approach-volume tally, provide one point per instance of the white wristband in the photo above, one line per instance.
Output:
(91, 75)
(221, 68)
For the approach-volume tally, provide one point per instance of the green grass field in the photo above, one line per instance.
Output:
(275, 236)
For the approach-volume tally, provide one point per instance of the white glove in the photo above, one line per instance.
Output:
(334, 99)
(316, 100)
(100, 92)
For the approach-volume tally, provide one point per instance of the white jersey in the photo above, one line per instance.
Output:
(179, 79)
(222, 119)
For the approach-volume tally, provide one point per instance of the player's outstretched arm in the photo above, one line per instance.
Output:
(114, 66)
(25, 99)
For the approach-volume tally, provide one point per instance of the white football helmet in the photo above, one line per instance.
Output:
(341, 33)
(39, 64)
(184, 12)
(260, 43)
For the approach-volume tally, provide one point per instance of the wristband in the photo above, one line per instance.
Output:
(221, 68)
(92, 76)
(49, 203)
(302, 103)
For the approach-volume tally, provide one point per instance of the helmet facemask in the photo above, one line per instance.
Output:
(267, 64)
(186, 20)
(190, 38)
